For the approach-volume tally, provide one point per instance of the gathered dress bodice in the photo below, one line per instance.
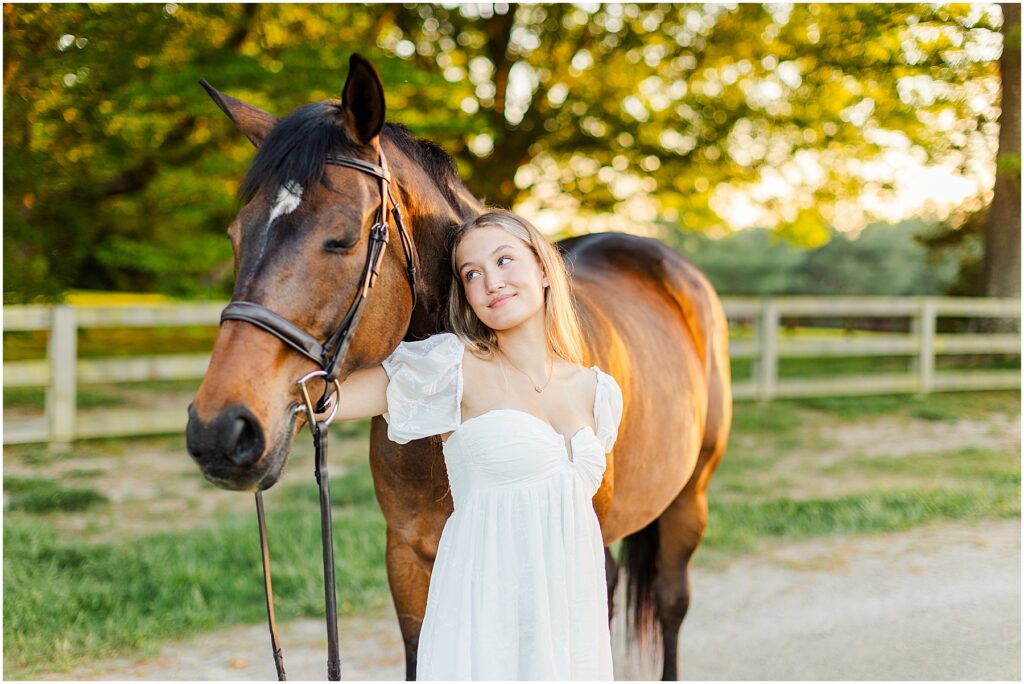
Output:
(512, 447)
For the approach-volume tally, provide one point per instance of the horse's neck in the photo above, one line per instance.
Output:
(431, 218)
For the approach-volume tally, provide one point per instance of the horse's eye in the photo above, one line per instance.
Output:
(340, 246)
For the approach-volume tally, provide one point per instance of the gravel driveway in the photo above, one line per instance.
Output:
(940, 602)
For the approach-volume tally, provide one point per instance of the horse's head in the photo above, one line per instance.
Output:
(301, 245)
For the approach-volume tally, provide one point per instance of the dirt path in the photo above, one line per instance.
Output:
(940, 602)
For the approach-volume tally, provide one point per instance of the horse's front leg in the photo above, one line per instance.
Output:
(409, 578)
(411, 484)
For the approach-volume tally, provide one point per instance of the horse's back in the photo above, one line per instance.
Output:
(617, 265)
(653, 320)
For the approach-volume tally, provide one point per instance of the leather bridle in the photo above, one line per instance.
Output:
(329, 357)
(329, 354)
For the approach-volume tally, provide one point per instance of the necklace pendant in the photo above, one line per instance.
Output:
(538, 390)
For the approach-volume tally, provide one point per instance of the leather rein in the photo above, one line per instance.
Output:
(329, 357)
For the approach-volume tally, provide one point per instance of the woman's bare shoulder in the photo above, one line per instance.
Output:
(581, 379)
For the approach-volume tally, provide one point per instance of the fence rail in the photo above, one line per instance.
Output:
(62, 371)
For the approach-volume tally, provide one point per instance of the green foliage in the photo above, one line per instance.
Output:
(752, 262)
(882, 260)
(181, 270)
(120, 173)
(961, 245)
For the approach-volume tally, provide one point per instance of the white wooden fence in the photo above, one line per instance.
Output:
(62, 371)
(921, 345)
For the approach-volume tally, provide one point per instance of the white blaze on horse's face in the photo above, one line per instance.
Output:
(288, 199)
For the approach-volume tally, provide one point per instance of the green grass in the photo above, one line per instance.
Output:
(84, 473)
(95, 396)
(32, 454)
(353, 488)
(808, 367)
(106, 342)
(736, 527)
(66, 601)
(39, 495)
(943, 406)
(971, 463)
(34, 398)
(773, 417)
(786, 448)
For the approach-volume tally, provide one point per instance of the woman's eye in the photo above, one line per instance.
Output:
(469, 274)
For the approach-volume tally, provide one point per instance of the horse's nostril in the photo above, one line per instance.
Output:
(235, 430)
(233, 440)
(245, 436)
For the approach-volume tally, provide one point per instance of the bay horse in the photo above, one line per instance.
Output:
(649, 317)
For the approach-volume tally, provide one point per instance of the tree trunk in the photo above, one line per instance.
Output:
(1001, 261)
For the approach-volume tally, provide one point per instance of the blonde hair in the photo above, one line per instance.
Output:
(561, 322)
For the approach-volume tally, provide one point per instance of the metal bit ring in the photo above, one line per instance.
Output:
(335, 398)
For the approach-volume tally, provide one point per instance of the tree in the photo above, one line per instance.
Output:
(120, 174)
(681, 102)
(883, 260)
(1001, 264)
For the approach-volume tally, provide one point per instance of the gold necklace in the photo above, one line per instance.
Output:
(536, 389)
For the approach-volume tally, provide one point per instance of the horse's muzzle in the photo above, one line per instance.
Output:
(230, 449)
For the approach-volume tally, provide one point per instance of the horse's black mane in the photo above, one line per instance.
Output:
(431, 156)
(295, 150)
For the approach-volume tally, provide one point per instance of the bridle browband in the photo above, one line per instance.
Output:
(329, 357)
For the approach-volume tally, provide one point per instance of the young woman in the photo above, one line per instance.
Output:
(518, 586)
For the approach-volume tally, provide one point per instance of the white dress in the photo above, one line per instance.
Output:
(518, 589)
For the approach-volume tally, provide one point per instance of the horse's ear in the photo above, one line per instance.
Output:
(253, 121)
(362, 100)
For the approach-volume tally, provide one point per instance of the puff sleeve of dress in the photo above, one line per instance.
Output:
(424, 390)
(607, 410)
(589, 457)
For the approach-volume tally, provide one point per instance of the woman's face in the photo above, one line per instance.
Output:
(503, 281)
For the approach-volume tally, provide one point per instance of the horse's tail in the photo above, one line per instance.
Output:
(639, 558)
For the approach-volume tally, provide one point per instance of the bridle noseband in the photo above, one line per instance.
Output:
(329, 357)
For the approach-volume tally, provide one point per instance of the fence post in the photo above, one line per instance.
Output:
(768, 359)
(62, 394)
(925, 328)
